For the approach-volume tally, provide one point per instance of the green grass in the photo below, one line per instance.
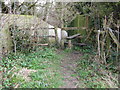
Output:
(89, 70)
(44, 79)
(45, 61)
(88, 75)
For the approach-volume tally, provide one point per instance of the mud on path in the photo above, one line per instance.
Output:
(68, 66)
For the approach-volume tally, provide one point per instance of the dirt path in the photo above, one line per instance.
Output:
(68, 70)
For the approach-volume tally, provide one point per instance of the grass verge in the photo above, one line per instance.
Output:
(41, 69)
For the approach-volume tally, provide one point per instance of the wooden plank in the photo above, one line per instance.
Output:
(45, 44)
(78, 44)
(64, 28)
(45, 36)
(23, 29)
(73, 28)
(73, 36)
(101, 32)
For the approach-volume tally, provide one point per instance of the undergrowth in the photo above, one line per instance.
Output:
(92, 73)
(46, 64)
(44, 61)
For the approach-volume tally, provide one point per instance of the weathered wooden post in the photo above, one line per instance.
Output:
(62, 41)
(98, 39)
(56, 36)
(70, 40)
(69, 44)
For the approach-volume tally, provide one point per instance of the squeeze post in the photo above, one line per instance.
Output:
(69, 44)
(62, 43)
